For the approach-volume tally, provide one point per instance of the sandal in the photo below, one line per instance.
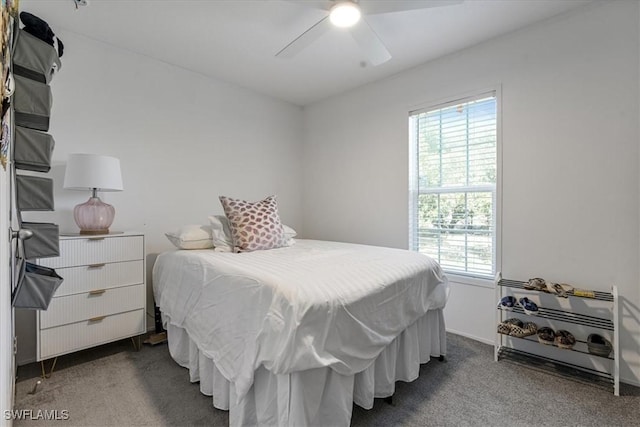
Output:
(546, 335)
(506, 326)
(564, 339)
(507, 303)
(536, 284)
(528, 306)
(527, 329)
(599, 345)
(557, 289)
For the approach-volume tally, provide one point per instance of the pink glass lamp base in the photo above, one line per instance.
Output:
(94, 216)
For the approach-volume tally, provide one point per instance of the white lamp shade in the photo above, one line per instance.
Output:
(89, 171)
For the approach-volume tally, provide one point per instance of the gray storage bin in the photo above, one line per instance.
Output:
(36, 287)
(44, 243)
(34, 58)
(34, 193)
(32, 103)
(33, 150)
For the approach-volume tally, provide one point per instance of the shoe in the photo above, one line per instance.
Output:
(557, 289)
(567, 288)
(506, 326)
(564, 339)
(536, 284)
(546, 335)
(599, 345)
(527, 329)
(528, 306)
(507, 303)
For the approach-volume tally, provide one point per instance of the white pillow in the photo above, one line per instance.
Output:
(192, 237)
(289, 232)
(221, 233)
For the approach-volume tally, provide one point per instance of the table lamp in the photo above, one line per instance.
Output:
(95, 173)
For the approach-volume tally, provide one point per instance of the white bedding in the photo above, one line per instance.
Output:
(315, 304)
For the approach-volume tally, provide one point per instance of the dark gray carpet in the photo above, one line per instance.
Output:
(113, 385)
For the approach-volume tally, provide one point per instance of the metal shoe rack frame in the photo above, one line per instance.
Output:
(608, 378)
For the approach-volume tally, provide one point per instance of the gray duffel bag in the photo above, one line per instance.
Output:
(33, 150)
(32, 104)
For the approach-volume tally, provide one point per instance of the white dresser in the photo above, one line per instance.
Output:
(102, 298)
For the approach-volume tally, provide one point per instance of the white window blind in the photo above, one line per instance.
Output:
(453, 184)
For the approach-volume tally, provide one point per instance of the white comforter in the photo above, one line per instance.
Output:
(310, 305)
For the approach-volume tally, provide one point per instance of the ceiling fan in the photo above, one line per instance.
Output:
(348, 14)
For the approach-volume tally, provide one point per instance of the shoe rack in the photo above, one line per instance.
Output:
(576, 313)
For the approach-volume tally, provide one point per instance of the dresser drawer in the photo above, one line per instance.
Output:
(97, 250)
(103, 276)
(80, 335)
(74, 308)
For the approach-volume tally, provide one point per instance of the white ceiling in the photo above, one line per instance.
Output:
(236, 40)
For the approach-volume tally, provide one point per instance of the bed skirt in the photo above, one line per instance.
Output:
(315, 397)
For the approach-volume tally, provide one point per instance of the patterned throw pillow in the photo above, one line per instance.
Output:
(254, 226)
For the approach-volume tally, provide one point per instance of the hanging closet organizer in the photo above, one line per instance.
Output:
(32, 65)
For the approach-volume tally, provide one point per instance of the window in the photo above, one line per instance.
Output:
(453, 184)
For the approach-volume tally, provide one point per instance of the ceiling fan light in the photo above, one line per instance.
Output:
(345, 14)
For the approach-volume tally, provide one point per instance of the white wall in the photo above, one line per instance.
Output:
(183, 140)
(7, 377)
(570, 154)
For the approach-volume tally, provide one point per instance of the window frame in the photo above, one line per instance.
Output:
(414, 191)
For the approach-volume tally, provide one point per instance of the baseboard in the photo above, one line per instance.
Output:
(632, 382)
(473, 337)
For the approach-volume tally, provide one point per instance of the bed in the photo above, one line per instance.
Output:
(296, 335)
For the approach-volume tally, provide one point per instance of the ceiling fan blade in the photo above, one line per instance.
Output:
(370, 43)
(371, 7)
(305, 39)
(315, 4)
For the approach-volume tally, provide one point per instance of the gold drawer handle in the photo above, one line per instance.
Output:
(97, 319)
(97, 292)
(96, 265)
(96, 238)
